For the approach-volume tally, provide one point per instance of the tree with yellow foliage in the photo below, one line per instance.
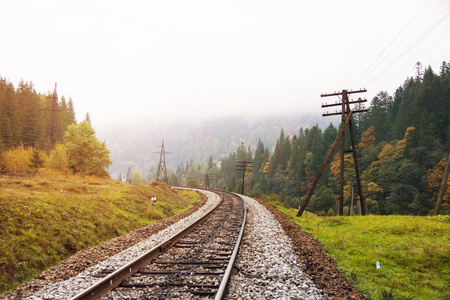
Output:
(16, 160)
(57, 159)
(86, 155)
(434, 181)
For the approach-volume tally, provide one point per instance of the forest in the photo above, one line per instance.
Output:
(39, 134)
(32, 119)
(402, 143)
(402, 146)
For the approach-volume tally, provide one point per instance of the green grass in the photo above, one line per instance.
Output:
(44, 221)
(414, 252)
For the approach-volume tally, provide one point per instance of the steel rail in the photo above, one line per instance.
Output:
(111, 281)
(226, 276)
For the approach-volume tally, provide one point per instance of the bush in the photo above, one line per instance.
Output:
(57, 159)
(16, 160)
(136, 178)
(324, 199)
(331, 213)
(274, 198)
(193, 183)
(257, 194)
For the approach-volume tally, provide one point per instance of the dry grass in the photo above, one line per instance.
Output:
(43, 221)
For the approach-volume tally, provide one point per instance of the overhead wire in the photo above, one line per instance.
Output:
(394, 60)
(394, 39)
(372, 38)
(379, 81)
(359, 42)
(390, 57)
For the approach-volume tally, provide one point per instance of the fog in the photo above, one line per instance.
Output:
(158, 61)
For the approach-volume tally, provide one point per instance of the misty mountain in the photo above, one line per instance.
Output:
(134, 145)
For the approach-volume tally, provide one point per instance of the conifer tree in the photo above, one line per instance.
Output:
(71, 112)
(129, 175)
(87, 119)
(36, 161)
(28, 101)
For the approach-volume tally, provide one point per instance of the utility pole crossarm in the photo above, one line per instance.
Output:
(339, 104)
(340, 93)
(338, 113)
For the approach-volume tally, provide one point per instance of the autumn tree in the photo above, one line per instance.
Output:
(434, 181)
(85, 153)
(57, 159)
(16, 160)
(136, 178)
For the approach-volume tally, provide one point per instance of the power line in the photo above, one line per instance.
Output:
(387, 47)
(409, 47)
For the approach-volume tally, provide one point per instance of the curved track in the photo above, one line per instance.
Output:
(194, 263)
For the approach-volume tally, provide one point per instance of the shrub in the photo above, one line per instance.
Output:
(16, 160)
(57, 159)
(193, 183)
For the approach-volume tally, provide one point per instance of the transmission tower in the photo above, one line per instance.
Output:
(346, 120)
(162, 164)
(206, 178)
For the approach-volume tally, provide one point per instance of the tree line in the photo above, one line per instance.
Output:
(402, 145)
(39, 133)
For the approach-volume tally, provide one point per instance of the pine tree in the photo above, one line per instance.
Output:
(129, 175)
(210, 163)
(29, 114)
(71, 112)
(9, 123)
(87, 119)
(259, 157)
(36, 161)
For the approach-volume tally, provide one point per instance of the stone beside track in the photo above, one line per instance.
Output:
(267, 266)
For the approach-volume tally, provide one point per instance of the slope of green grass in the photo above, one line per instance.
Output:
(44, 221)
(413, 252)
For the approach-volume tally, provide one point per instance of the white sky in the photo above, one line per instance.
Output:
(123, 61)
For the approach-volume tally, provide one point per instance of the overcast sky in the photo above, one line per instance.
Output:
(123, 61)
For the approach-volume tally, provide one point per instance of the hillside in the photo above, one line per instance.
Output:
(133, 145)
(44, 221)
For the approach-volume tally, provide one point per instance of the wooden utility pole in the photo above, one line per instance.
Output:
(443, 187)
(162, 164)
(243, 165)
(346, 120)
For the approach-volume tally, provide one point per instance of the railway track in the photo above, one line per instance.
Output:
(194, 263)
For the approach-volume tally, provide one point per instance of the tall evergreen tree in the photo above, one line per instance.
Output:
(29, 114)
(9, 125)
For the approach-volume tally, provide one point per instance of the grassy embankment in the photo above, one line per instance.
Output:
(44, 221)
(413, 252)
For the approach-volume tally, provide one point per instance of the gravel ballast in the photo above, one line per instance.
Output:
(267, 265)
